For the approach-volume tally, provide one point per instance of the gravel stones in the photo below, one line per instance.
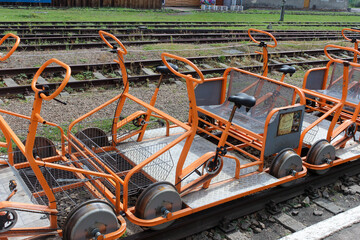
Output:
(326, 194)
(217, 236)
(306, 202)
(355, 188)
(298, 205)
(172, 99)
(256, 230)
(295, 213)
(318, 213)
(263, 215)
(245, 225)
(262, 225)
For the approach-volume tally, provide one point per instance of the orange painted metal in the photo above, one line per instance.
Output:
(333, 107)
(187, 137)
(353, 40)
(35, 164)
(12, 50)
(264, 46)
(120, 197)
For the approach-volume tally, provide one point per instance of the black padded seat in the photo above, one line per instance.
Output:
(287, 69)
(164, 70)
(243, 99)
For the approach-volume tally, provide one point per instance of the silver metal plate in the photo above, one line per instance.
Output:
(227, 190)
(26, 219)
(350, 150)
(199, 147)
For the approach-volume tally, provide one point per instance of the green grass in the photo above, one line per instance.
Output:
(118, 14)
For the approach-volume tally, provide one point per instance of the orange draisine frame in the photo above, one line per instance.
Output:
(12, 50)
(264, 53)
(120, 198)
(27, 150)
(353, 40)
(187, 136)
(334, 110)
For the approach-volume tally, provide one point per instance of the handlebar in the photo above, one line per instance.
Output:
(184, 60)
(123, 49)
(263, 32)
(12, 50)
(62, 85)
(350, 30)
(342, 48)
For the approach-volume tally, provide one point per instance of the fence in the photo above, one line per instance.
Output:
(140, 4)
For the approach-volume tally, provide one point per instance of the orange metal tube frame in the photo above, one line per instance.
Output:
(12, 50)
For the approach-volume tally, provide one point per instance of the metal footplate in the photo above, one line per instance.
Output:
(199, 147)
(227, 190)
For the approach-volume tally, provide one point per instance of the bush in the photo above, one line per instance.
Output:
(354, 3)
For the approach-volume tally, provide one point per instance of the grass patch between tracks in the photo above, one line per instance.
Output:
(118, 14)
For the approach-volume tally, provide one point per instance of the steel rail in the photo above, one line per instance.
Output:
(25, 89)
(20, 25)
(160, 35)
(85, 67)
(150, 22)
(72, 46)
(180, 32)
(172, 36)
(175, 29)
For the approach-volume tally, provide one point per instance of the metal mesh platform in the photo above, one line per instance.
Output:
(269, 95)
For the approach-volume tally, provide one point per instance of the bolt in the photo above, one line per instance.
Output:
(328, 161)
(164, 212)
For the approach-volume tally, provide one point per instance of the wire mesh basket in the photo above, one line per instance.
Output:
(160, 168)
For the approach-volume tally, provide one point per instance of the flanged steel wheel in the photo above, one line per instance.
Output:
(90, 220)
(92, 137)
(8, 219)
(157, 200)
(43, 148)
(319, 153)
(284, 164)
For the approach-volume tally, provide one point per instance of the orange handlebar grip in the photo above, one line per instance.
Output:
(184, 60)
(62, 85)
(342, 48)
(102, 33)
(263, 32)
(350, 30)
(12, 50)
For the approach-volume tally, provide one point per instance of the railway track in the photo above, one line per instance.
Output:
(56, 24)
(142, 71)
(78, 35)
(216, 216)
(70, 43)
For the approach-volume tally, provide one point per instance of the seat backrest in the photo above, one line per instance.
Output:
(269, 94)
(335, 83)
